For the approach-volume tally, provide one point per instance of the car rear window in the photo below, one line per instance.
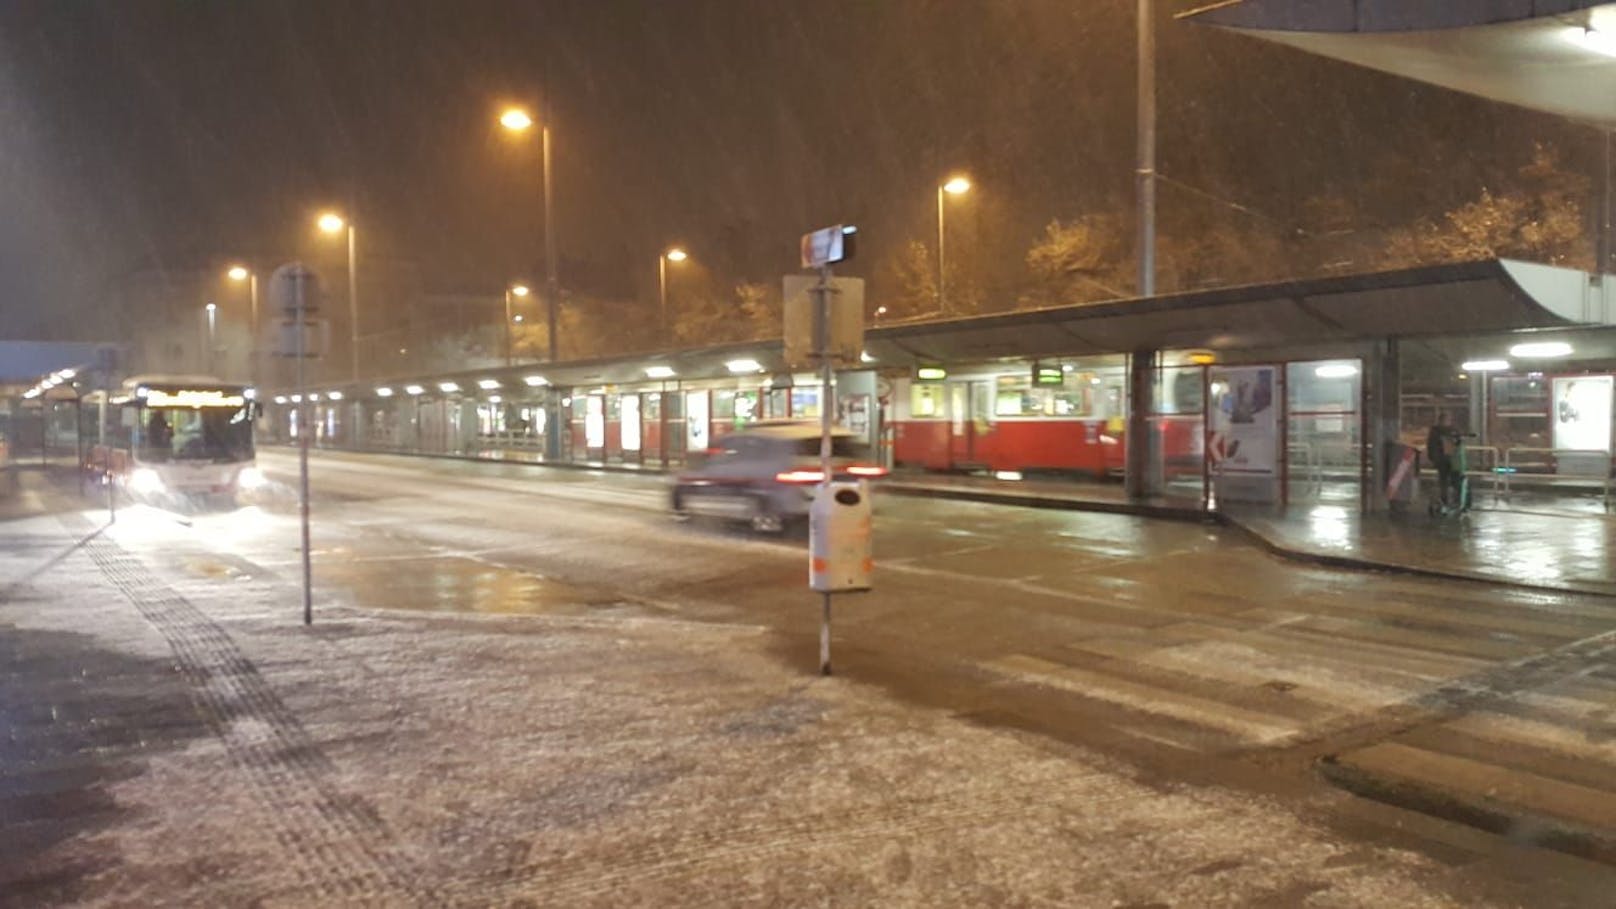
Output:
(840, 447)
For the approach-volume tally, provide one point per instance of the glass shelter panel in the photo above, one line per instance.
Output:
(1324, 447)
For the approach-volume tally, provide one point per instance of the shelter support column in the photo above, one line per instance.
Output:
(1383, 415)
(1142, 469)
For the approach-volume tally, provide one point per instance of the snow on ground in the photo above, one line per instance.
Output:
(397, 758)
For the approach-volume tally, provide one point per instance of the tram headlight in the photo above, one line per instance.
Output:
(145, 481)
(251, 478)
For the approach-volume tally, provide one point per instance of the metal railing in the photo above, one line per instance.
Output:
(1565, 466)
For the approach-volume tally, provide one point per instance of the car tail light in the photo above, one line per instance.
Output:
(866, 470)
(800, 477)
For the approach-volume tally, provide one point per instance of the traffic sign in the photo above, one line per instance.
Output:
(846, 337)
(828, 245)
(295, 287)
(316, 338)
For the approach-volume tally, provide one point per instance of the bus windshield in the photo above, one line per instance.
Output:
(197, 434)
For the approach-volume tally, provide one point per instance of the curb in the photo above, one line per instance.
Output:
(1474, 810)
(990, 497)
(1352, 563)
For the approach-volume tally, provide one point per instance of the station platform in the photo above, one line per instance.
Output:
(1553, 548)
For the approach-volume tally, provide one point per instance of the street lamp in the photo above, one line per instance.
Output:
(243, 273)
(955, 186)
(517, 120)
(673, 255)
(515, 290)
(213, 319)
(332, 223)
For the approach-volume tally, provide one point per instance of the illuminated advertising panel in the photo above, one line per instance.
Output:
(1582, 413)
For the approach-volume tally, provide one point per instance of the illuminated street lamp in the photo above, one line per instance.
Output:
(515, 290)
(243, 273)
(674, 255)
(955, 186)
(332, 223)
(517, 120)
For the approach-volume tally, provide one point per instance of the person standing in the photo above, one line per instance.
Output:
(1440, 444)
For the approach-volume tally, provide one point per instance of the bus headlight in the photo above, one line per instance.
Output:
(251, 478)
(145, 481)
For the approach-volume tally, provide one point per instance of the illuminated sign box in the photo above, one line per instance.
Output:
(931, 374)
(1045, 374)
(193, 398)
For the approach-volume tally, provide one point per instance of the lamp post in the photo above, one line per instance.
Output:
(213, 320)
(333, 223)
(517, 120)
(954, 187)
(673, 255)
(243, 273)
(515, 290)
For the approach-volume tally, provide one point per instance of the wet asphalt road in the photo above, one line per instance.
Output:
(1189, 656)
(1179, 636)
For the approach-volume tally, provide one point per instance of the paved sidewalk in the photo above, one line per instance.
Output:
(1549, 550)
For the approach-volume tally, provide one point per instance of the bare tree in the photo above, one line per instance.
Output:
(1539, 217)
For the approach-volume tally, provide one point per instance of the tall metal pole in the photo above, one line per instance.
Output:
(509, 355)
(303, 431)
(1146, 171)
(942, 298)
(213, 343)
(353, 302)
(1605, 239)
(252, 303)
(662, 291)
(827, 403)
(552, 282)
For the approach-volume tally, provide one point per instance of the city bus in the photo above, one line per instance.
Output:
(176, 440)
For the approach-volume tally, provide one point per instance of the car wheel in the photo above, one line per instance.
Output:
(764, 518)
(678, 507)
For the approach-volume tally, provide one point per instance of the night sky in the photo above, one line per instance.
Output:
(149, 135)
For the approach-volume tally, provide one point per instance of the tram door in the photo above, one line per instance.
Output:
(969, 406)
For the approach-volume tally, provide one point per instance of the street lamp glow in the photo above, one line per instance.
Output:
(488, 384)
(413, 390)
(330, 222)
(677, 255)
(536, 381)
(384, 392)
(1592, 39)
(212, 307)
(515, 119)
(659, 372)
(741, 367)
(448, 387)
(238, 272)
(956, 185)
(520, 290)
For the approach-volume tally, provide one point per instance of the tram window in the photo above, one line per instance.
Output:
(724, 405)
(1017, 402)
(925, 401)
(651, 404)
